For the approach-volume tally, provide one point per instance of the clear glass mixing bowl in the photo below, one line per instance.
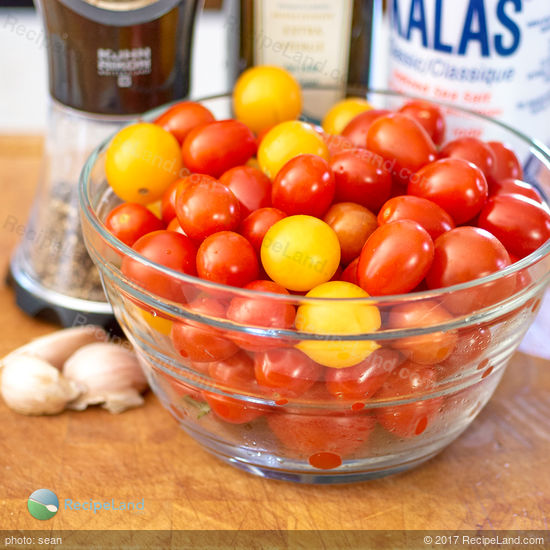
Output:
(354, 433)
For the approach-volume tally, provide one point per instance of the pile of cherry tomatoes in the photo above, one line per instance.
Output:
(374, 203)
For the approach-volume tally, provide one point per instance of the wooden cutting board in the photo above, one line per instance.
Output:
(496, 476)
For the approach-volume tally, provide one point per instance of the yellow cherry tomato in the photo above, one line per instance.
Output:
(337, 318)
(300, 252)
(142, 160)
(286, 141)
(341, 113)
(156, 208)
(264, 96)
(157, 323)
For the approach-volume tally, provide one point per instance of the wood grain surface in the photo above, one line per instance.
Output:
(496, 476)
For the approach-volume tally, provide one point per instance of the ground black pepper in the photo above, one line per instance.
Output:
(58, 254)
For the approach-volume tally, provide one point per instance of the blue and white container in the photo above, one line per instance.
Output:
(491, 56)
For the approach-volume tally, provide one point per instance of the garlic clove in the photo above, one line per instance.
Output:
(57, 347)
(114, 402)
(30, 385)
(110, 373)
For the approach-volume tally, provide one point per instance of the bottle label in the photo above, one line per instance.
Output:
(490, 56)
(124, 64)
(309, 38)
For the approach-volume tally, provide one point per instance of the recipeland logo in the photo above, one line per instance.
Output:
(43, 504)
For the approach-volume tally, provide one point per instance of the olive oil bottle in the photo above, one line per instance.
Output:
(323, 43)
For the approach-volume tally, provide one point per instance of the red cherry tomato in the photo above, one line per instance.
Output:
(287, 371)
(256, 225)
(464, 254)
(261, 312)
(519, 223)
(232, 410)
(182, 117)
(471, 343)
(357, 128)
(484, 252)
(425, 349)
(251, 187)
(515, 187)
(336, 143)
(216, 147)
(179, 388)
(395, 258)
(506, 163)
(205, 206)
(429, 116)
(235, 373)
(304, 185)
(319, 430)
(403, 142)
(422, 211)
(457, 186)
(174, 225)
(362, 177)
(169, 199)
(227, 258)
(363, 380)
(326, 439)
(168, 249)
(199, 341)
(129, 221)
(350, 273)
(473, 150)
(353, 224)
(309, 434)
(410, 419)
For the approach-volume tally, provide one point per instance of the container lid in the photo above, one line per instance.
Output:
(120, 13)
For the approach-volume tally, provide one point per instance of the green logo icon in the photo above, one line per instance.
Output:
(43, 504)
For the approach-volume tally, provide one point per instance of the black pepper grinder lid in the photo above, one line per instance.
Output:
(118, 57)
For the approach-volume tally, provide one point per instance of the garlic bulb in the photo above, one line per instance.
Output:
(57, 347)
(30, 385)
(111, 375)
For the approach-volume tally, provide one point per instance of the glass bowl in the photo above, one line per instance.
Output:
(391, 411)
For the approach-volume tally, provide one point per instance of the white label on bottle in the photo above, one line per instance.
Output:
(310, 38)
(124, 64)
(491, 56)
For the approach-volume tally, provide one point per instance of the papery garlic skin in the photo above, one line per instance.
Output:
(55, 348)
(118, 402)
(32, 386)
(110, 374)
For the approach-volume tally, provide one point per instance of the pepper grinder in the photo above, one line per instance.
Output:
(108, 60)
